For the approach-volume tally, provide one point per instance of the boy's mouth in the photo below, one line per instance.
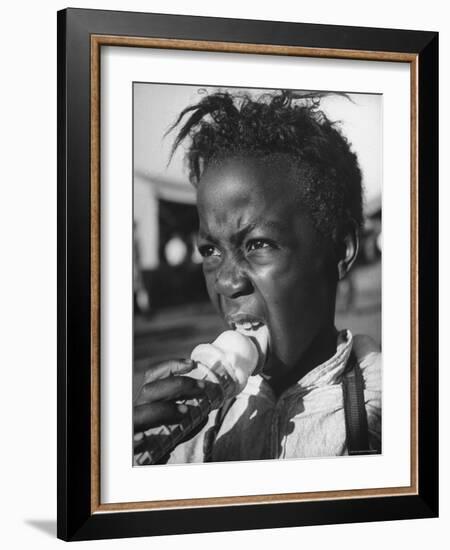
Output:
(244, 323)
(247, 326)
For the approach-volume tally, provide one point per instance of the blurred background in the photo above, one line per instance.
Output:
(172, 312)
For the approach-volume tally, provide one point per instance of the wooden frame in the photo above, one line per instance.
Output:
(81, 34)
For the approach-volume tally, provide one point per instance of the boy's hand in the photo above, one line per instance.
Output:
(164, 385)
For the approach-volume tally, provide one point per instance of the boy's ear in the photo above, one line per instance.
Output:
(349, 246)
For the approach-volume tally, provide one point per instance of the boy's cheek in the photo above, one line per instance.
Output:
(210, 288)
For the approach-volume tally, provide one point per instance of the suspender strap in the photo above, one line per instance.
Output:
(355, 409)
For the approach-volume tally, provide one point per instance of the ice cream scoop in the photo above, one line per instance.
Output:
(238, 354)
(227, 363)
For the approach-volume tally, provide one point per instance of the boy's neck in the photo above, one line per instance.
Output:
(321, 349)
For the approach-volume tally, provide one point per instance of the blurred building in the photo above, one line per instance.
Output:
(166, 261)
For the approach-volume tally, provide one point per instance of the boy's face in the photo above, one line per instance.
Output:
(264, 261)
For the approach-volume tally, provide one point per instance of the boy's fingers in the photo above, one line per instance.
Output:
(156, 414)
(175, 387)
(168, 368)
(146, 439)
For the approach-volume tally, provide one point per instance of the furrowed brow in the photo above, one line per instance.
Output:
(272, 224)
(205, 235)
(279, 228)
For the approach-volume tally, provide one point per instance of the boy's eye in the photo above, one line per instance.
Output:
(256, 244)
(207, 250)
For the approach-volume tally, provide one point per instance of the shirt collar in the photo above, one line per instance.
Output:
(331, 370)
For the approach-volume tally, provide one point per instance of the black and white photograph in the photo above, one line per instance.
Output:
(257, 274)
(224, 296)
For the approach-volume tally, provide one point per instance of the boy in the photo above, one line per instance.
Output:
(280, 205)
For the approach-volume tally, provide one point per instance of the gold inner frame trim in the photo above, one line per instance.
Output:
(97, 41)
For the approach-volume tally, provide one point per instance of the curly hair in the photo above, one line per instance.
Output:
(223, 125)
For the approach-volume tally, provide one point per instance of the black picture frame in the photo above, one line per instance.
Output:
(78, 516)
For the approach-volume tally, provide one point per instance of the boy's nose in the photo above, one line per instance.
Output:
(232, 280)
